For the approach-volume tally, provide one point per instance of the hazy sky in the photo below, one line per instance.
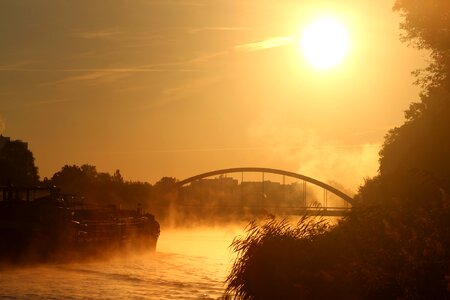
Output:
(179, 87)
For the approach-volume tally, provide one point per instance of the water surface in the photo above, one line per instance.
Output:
(188, 264)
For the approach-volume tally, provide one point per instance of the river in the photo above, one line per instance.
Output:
(188, 264)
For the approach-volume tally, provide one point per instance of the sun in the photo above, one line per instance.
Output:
(325, 43)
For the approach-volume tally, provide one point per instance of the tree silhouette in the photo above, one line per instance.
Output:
(16, 163)
(101, 187)
(425, 25)
(423, 141)
(74, 179)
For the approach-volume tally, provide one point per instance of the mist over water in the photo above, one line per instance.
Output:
(190, 263)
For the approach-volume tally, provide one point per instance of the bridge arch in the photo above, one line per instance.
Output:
(316, 182)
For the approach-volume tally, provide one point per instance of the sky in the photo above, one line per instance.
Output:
(180, 87)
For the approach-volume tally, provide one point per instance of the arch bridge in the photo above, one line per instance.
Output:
(323, 209)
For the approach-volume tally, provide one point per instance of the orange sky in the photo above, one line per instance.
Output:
(175, 88)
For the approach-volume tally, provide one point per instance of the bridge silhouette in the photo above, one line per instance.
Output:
(319, 208)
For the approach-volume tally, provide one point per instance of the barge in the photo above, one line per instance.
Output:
(39, 223)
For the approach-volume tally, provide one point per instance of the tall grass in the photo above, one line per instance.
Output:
(278, 260)
(390, 250)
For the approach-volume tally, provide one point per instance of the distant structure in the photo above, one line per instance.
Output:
(224, 192)
(4, 140)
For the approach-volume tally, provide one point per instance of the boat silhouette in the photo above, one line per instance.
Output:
(40, 223)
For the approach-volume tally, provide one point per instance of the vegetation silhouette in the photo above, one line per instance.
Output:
(16, 163)
(100, 187)
(395, 244)
(206, 201)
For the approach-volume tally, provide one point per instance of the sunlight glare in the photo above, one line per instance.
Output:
(325, 43)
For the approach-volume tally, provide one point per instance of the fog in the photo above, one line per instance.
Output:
(343, 163)
(189, 263)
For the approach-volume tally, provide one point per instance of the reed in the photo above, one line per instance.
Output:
(274, 259)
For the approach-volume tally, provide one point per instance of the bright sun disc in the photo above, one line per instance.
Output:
(325, 43)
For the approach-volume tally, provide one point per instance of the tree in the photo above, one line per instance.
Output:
(166, 184)
(17, 163)
(74, 179)
(405, 209)
(102, 187)
(426, 25)
(423, 141)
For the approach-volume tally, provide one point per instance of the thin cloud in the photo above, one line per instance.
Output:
(266, 44)
(17, 66)
(99, 34)
(132, 39)
(185, 89)
(107, 75)
(143, 69)
(197, 150)
(223, 28)
(191, 85)
(96, 73)
(210, 56)
(236, 148)
(50, 102)
(175, 93)
(96, 77)
(176, 2)
(103, 75)
(248, 47)
(100, 75)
